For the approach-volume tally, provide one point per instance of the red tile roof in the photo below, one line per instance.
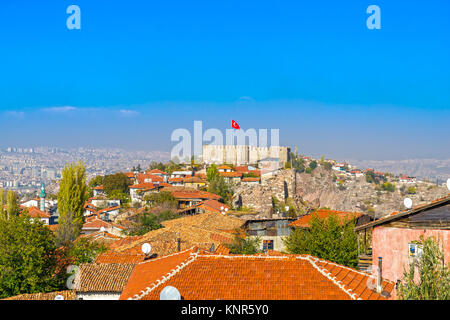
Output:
(303, 222)
(212, 205)
(118, 257)
(250, 180)
(241, 169)
(142, 177)
(194, 194)
(97, 223)
(98, 188)
(231, 174)
(153, 171)
(37, 213)
(205, 276)
(109, 209)
(146, 185)
(224, 167)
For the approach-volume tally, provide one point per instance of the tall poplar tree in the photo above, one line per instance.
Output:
(72, 193)
(12, 206)
(2, 203)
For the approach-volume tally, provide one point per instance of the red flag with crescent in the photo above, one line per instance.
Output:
(235, 125)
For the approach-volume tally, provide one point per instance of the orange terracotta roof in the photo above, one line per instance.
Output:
(194, 194)
(222, 249)
(175, 180)
(250, 179)
(146, 185)
(153, 171)
(303, 222)
(141, 177)
(224, 167)
(241, 169)
(99, 187)
(201, 230)
(193, 180)
(117, 257)
(37, 213)
(110, 277)
(97, 223)
(67, 294)
(212, 205)
(231, 174)
(129, 174)
(204, 276)
(109, 209)
(255, 172)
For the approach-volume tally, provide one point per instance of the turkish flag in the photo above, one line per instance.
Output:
(235, 125)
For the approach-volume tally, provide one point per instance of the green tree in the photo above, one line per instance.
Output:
(118, 181)
(68, 230)
(433, 275)
(84, 250)
(12, 205)
(2, 203)
(220, 187)
(243, 244)
(326, 239)
(411, 190)
(298, 164)
(96, 181)
(212, 173)
(146, 222)
(120, 195)
(387, 186)
(28, 258)
(163, 199)
(72, 192)
(313, 165)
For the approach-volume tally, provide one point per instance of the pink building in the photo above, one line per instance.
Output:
(392, 237)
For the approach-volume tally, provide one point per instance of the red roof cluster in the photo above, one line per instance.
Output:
(204, 276)
(303, 222)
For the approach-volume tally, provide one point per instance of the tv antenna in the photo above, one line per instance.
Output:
(59, 297)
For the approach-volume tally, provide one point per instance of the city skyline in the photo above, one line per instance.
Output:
(129, 77)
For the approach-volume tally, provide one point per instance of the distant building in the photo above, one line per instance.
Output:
(243, 154)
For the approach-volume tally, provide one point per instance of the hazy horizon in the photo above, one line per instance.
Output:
(129, 77)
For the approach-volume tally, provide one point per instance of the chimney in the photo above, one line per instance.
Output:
(179, 243)
(380, 275)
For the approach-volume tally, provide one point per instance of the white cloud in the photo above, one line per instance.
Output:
(16, 114)
(60, 109)
(128, 113)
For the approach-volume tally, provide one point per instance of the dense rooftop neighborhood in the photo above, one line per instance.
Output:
(180, 225)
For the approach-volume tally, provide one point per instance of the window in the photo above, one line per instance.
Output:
(415, 250)
(267, 245)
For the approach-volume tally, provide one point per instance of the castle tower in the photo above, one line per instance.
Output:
(42, 196)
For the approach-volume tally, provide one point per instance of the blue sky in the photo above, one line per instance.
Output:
(137, 70)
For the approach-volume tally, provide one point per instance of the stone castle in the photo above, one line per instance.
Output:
(242, 154)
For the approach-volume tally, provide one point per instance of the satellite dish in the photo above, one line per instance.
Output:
(226, 209)
(408, 203)
(448, 183)
(170, 293)
(102, 229)
(59, 297)
(286, 208)
(146, 248)
(221, 208)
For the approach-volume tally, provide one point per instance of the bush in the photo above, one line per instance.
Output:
(411, 190)
(434, 275)
(387, 186)
(326, 239)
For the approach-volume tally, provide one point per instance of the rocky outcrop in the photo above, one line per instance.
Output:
(319, 190)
